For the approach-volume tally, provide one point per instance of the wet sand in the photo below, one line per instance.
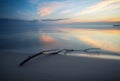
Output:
(58, 68)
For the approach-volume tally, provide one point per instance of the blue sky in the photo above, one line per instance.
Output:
(71, 10)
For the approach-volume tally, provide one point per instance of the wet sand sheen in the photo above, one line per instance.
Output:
(58, 68)
(98, 56)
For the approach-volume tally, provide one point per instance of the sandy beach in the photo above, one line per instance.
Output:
(58, 68)
(60, 40)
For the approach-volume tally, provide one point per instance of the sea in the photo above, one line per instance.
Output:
(32, 38)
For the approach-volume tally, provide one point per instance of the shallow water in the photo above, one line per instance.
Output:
(36, 38)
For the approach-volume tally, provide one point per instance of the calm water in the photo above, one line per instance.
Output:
(33, 39)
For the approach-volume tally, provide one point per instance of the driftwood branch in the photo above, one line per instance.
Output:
(30, 57)
(87, 50)
(57, 51)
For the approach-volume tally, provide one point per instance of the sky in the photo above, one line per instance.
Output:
(62, 11)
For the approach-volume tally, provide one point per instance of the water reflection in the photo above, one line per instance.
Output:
(62, 37)
(47, 39)
(104, 39)
(107, 44)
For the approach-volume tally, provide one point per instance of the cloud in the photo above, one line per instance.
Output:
(105, 4)
(80, 11)
(65, 11)
(44, 11)
(49, 8)
(53, 19)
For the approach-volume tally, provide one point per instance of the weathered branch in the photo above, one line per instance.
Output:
(87, 50)
(56, 52)
(30, 57)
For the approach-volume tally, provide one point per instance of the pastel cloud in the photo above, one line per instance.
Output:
(65, 11)
(103, 11)
(78, 11)
(75, 11)
(46, 11)
(105, 4)
(49, 8)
